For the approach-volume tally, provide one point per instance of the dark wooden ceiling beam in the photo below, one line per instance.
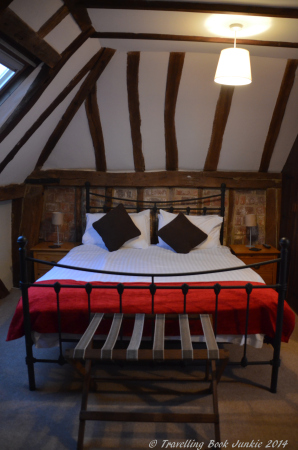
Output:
(104, 58)
(4, 4)
(93, 116)
(79, 13)
(132, 78)
(278, 113)
(185, 38)
(53, 21)
(219, 125)
(17, 30)
(11, 191)
(39, 85)
(175, 67)
(9, 157)
(236, 180)
(189, 6)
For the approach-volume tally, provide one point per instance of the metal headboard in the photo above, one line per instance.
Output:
(185, 205)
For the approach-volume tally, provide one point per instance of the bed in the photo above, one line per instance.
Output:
(139, 277)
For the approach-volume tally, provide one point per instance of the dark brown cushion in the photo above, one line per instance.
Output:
(181, 234)
(116, 227)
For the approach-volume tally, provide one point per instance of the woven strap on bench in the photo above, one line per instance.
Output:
(136, 338)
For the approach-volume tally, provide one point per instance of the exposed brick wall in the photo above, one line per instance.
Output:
(63, 199)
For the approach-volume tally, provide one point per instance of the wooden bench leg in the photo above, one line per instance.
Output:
(84, 402)
(215, 400)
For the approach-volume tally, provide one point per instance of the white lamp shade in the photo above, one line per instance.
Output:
(57, 218)
(233, 67)
(250, 220)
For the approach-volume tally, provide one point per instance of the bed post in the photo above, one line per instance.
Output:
(87, 185)
(22, 241)
(284, 243)
(222, 209)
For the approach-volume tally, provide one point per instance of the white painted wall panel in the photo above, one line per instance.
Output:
(196, 103)
(114, 115)
(63, 34)
(24, 163)
(250, 116)
(152, 87)
(288, 132)
(5, 244)
(75, 148)
(35, 12)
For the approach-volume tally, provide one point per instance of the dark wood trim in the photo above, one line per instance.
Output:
(132, 78)
(39, 85)
(185, 38)
(79, 13)
(15, 28)
(188, 6)
(4, 4)
(175, 67)
(11, 191)
(219, 125)
(236, 180)
(104, 57)
(278, 113)
(47, 112)
(53, 21)
(95, 127)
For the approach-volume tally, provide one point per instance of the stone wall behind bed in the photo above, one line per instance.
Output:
(71, 201)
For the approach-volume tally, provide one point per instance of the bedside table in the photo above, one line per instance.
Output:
(44, 252)
(268, 272)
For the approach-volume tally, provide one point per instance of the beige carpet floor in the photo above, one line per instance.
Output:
(47, 419)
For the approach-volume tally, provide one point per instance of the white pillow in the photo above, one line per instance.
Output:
(141, 220)
(210, 224)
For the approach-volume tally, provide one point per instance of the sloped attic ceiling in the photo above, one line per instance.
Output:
(132, 89)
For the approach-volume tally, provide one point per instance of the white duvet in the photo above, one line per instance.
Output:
(151, 260)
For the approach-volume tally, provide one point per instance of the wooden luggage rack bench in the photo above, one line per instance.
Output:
(134, 353)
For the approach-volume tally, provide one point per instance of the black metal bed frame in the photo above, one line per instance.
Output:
(281, 286)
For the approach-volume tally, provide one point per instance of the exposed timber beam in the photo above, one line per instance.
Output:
(11, 191)
(95, 127)
(192, 6)
(176, 61)
(133, 61)
(237, 180)
(39, 85)
(219, 125)
(4, 4)
(53, 21)
(80, 75)
(278, 113)
(104, 57)
(79, 13)
(17, 30)
(185, 38)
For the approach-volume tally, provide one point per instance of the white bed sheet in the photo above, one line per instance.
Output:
(151, 260)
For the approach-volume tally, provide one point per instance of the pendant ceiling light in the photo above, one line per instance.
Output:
(233, 67)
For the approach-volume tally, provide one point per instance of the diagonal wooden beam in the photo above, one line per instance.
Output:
(9, 157)
(4, 4)
(79, 98)
(133, 61)
(53, 21)
(278, 113)
(219, 125)
(39, 85)
(186, 38)
(175, 67)
(95, 127)
(17, 30)
(193, 6)
(79, 13)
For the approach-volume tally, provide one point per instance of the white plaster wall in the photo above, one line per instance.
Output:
(250, 116)
(5, 244)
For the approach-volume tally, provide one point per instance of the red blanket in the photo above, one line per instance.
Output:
(231, 308)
